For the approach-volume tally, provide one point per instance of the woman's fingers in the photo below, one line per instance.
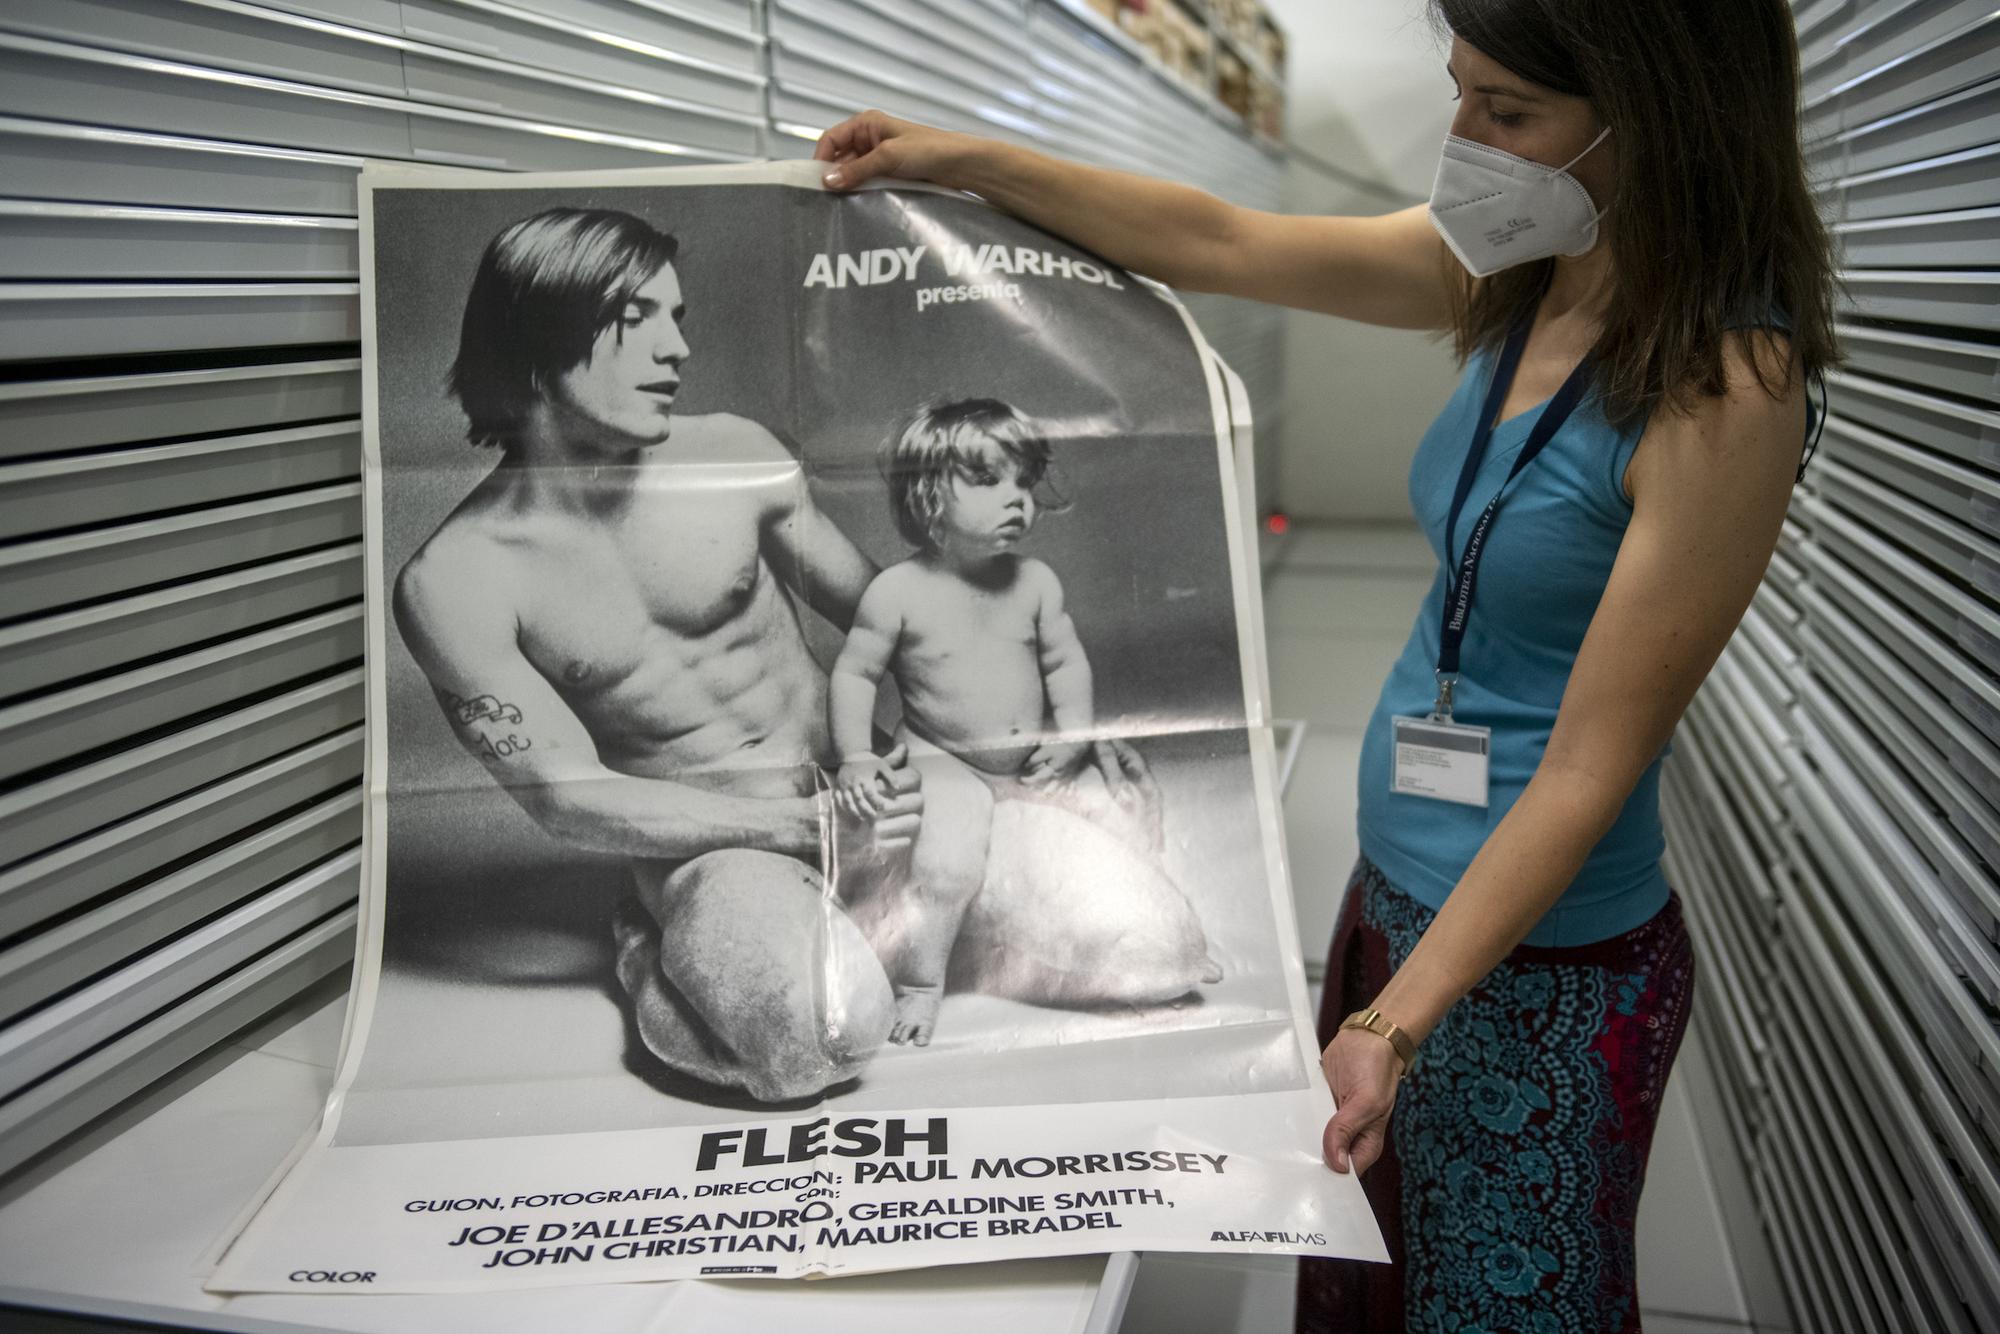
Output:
(1367, 1147)
(843, 139)
(871, 144)
(1337, 1143)
(1356, 1133)
(851, 144)
(885, 159)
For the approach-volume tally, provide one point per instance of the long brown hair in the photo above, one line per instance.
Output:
(1712, 221)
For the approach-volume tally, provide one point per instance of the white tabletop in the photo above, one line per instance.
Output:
(124, 1230)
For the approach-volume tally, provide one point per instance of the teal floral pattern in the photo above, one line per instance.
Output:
(1518, 1144)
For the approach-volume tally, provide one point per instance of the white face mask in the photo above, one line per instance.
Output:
(1496, 210)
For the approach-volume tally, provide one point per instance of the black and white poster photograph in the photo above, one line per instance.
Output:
(816, 729)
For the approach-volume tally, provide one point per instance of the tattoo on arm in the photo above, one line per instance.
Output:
(465, 713)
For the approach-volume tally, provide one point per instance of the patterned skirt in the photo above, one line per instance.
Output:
(1509, 1186)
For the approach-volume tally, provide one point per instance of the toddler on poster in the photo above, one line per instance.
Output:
(986, 660)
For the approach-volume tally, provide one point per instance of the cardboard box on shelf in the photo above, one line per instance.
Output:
(1267, 109)
(1174, 33)
(1232, 83)
(1239, 19)
(1271, 45)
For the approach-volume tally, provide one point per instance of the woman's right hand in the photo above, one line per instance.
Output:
(872, 144)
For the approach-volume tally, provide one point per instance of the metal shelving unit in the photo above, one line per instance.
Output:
(1834, 802)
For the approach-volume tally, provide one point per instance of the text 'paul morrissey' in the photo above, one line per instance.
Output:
(861, 1137)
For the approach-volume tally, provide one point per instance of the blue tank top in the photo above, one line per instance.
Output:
(1547, 561)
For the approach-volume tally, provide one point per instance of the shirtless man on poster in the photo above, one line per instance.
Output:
(609, 622)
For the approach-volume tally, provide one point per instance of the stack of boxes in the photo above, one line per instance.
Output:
(1175, 32)
(1267, 93)
(1234, 87)
(1238, 20)
(1270, 44)
(1229, 49)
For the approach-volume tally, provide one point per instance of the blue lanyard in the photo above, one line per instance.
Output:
(1458, 593)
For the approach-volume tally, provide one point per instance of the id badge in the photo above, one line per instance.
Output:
(1445, 761)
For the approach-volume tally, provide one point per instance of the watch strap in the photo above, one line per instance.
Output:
(1382, 1026)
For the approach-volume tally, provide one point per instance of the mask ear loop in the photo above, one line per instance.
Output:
(1603, 134)
(1815, 421)
(1563, 170)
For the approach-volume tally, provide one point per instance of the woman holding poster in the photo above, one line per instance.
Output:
(1622, 246)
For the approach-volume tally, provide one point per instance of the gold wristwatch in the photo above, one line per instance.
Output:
(1379, 1024)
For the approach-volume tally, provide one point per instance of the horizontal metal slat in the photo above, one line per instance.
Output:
(1968, 179)
(42, 159)
(1950, 826)
(1933, 657)
(1883, 31)
(44, 574)
(1963, 238)
(1946, 365)
(62, 320)
(119, 485)
(1969, 434)
(36, 655)
(234, 37)
(1756, 788)
(646, 20)
(729, 131)
(1867, 733)
(1947, 63)
(707, 58)
(43, 1115)
(63, 80)
(1859, 1195)
(1918, 1276)
(1909, 976)
(66, 1031)
(1966, 298)
(61, 415)
(72, 874)
(1801, 1246)
(55, 728)
(1820, 24)
(75, 802)
(702, 106)
(972, 24)
(69, 81)
(1746, 863)
(378, 15)
(1793, 1145)
(1069, 69)
(1707, 879)
(723, 32)
(1742, 954)
(44, 240)
(1957, 616)
(870, 31)
(1910, 1136)
(798, 70)
(1972, 759)
(43, 966)
(795, 98)
(1951, 124)
(1956, 548)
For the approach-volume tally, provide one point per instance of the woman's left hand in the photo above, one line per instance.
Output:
(1362, 1071)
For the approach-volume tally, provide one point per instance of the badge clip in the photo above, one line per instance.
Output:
(1441, 710)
